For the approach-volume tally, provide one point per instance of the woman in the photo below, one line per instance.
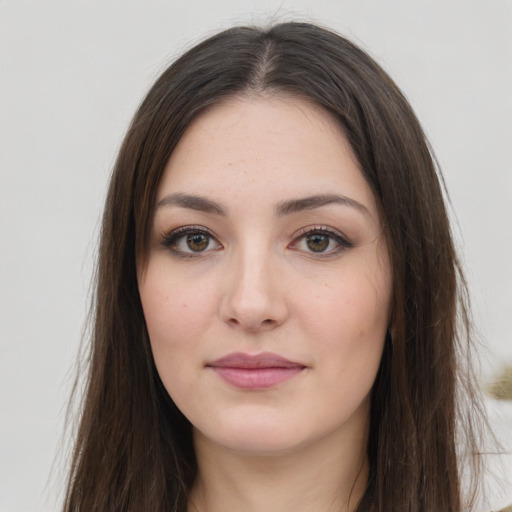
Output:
(279, 308)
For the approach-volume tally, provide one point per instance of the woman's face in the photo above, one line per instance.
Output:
(266, 291)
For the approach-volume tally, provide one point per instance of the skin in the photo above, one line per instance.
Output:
(257, 284)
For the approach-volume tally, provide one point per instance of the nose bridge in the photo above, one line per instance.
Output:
(253, 298)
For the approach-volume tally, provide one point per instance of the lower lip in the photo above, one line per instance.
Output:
(256, 378)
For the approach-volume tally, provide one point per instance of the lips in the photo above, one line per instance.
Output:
(259, 371)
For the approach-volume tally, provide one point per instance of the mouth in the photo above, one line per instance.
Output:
(259, 371)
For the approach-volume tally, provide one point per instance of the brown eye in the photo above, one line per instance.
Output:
(197, 242)
(320, 241)
(317, 242)
(191, 241)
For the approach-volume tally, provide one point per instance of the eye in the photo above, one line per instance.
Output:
(190, 241)
(321, 241)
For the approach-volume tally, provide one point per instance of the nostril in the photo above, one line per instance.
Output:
(269, 322)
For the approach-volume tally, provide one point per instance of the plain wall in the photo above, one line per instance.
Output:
(71, 76)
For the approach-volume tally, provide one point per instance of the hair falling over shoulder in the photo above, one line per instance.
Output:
(133, 447)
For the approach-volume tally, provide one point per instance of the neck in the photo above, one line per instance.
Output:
(314, 478)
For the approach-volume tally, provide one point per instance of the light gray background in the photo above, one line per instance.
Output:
(71, 76)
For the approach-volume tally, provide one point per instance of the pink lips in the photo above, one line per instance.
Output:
(260, 371)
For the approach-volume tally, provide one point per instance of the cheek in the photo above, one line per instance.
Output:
(349, 343)
(170, 306)
(177, 316)
(347, 317)
(351, 308)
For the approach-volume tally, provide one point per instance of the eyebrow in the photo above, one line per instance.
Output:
(198, 203)
(283, 208)
(317, 201)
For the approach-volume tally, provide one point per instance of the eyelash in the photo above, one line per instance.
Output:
(171, 239)
(342, 242)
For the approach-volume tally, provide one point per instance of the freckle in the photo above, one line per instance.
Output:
(184, 306)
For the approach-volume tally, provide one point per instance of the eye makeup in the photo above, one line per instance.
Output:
(320, 241)
(196, 240)
(190, 241)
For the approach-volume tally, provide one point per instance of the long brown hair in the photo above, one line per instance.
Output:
(133, 448)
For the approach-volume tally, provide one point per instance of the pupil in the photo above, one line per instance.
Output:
(318, 243)
(197, 242)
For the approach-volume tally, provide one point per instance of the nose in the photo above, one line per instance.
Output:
(254, 297)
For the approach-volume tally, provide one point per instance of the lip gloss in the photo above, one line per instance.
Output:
(260, 371)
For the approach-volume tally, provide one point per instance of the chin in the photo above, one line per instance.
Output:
(260, 445)
(264, 438)
(258, 437)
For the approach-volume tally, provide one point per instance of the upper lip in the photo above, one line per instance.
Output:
(248, 361)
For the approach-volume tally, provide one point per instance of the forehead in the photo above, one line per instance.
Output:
(265, 147)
